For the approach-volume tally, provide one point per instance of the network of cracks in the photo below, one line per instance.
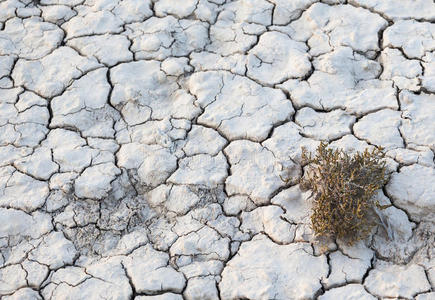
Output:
(152, 149)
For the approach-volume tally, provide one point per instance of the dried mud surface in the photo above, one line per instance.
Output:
(143, 145)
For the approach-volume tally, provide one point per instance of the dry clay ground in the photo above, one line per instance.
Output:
(142, 146)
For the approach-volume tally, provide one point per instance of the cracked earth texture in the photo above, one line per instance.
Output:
(143, 145)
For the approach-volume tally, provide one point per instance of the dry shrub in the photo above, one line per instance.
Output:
(343, 186)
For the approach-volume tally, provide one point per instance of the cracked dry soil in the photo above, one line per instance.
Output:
(143, 142)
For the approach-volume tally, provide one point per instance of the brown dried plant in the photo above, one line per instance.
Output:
(343, 186)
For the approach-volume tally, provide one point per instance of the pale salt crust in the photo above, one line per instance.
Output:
(152, 149)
